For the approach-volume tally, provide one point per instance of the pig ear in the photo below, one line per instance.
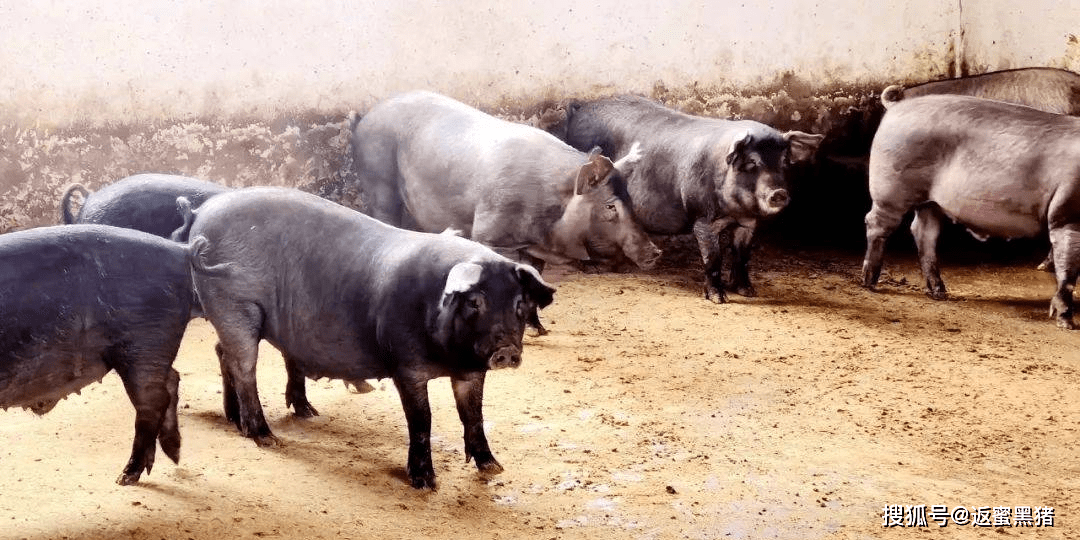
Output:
(625, 164)
(536, 289)
(461, 278)
(738, 145)
(803, 145)
(593, 172)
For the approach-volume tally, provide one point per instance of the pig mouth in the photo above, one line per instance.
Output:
(505, 357)
(773, 202)
(644, 256)
(648, 259)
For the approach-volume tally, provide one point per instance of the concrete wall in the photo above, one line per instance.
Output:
(256, 91)
(126, 60)
(1002, 35)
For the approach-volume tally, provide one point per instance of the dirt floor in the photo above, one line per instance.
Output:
(646, 413)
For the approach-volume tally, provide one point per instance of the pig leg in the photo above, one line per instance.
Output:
(533, 320)
(1065, 243)
(708, 239)
(386, 209)
(146, 381)
(926, 227)
(740, 260)
(414, 399)
(295, 393)
(1047, 265)
(385, 203)
(228, 389)
(469, 396)
(880, 223)
(238, 331)
(169, 436)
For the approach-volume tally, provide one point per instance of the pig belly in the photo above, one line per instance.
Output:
(41, 378)
(991, 213)
(336, 363)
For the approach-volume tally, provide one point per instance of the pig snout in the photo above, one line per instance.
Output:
(648, 256)
(505, 357)
(776, 200)
(641, 249)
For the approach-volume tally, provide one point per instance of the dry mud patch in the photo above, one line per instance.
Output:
(646, 413)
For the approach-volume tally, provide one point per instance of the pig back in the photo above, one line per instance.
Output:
(450, 161)
(146, 202)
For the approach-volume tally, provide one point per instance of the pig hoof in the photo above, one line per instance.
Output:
(748, 291)
(489, 468)
(426, 481)
(715, 295)
(937, 295)
(267, 441)
(305, 411)
(171, 447)
(1066, 324)
(870, 278)
(128, 479)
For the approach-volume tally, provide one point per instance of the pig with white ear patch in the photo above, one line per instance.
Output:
(364, 300)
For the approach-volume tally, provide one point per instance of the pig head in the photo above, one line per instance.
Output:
(598, 217)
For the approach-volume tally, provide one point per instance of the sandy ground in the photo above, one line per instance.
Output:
(646, 413)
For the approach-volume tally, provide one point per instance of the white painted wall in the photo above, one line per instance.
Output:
(124, 60)
(1003, 35)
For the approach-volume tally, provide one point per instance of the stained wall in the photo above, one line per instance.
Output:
(257, 92)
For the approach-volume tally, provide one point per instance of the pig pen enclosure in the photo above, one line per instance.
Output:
(647, 412)
(817, 409)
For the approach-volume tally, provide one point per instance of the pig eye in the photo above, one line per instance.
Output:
(750, 166)
(611, 213)
(474, 304)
